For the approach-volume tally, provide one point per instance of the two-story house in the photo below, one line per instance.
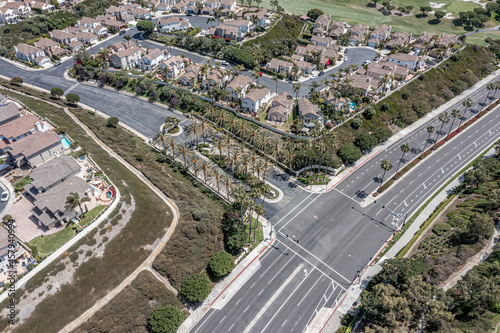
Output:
(35, 149)
(358, 34)
(238, 87)
(32, 54)
(380, 33)
(169, 24)
(405, 60)
(307, 111)
(8, 16)
(62, 37)
(279, 66)
(321, 24)
(17, 129)
(174, 66)
(126, 58)
(256, 99)
(244, 26)
(153, 59)
(50, 47)
(281, 107)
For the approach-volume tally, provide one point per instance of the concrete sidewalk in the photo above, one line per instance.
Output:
(401, 134)
(226, 289)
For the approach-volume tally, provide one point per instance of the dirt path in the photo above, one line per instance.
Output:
(157, 247)
(471, 262)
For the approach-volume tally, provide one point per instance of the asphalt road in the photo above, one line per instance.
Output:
(337, 237)
(3, 204)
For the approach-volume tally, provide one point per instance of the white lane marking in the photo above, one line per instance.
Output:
(293, 209)
(299, 212)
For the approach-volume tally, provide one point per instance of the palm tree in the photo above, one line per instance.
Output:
(227, 182)
(455, 113)
(444, 118)
(288, 157)
(466, 103)
(490, 86)
(386, 166)
(241, 129)
(228, 143)
(74, 200)
(405, 147)
(205, 168)
(205, 130)
(218, 177)
(260, 210)
(219, 143)
(193, 130)
(275, 79)
(296, 89)
(185, 151)
(276, 144)
(194, 160)
(250, 205)
(258, 168)
(263, 141)
(162, 138)
(172, 144)
(430, 130)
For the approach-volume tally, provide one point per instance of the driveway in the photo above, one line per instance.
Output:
(27, 228)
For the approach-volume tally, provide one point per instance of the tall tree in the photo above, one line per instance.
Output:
(74, 200)
(185, 151)
(444, 118)
(430, 130)
(455, 113)
(296, 89)
(405, 148)
(259, 210)
(490, 86)
(386, 166)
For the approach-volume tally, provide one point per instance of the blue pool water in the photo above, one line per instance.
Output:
(352, 105)
(65, 142)
(109, 194)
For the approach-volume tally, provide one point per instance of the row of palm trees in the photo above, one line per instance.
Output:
(444, 118)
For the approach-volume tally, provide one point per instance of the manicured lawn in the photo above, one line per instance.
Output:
(259, 235)
(18, 186)
(319, 181)
(91, 214)
(357, 11)
(50, 243)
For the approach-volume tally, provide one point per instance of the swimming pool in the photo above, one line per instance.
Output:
(65, 142)
(352, 105)
(109, 194)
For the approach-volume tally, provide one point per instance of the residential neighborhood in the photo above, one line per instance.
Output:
(247, 166)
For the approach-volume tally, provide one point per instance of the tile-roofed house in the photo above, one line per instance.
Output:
(237, 88)
(188, 79)
(153, 59)
(8, 16)
(17, 129)
(321, 24)
(62, 37)
(75, 45)
(381, 32)
(122, 45)
(140, 13)
(113, 24)
(358, 33)
(126, 58)
(215, 78)
(242, 25)
(321, 41)
(337, 30)
(307, 110)
(174, 66)
(87, 37)
(50, 206)
(19, 7)
(281, 107)
(398, 39)
(256, 99)
(42, 7)
(305, 67)
(280, 66)
(35, 149)
(404, 60)
(445, 40)
(52, 173)
(424, 41)
(8, 111)
(364, 82)
(179, 7)
(32, 54)
(172, 23)
(227, 31)
(228, 4)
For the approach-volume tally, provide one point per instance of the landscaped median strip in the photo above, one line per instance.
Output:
(426, 153)
(419, 211)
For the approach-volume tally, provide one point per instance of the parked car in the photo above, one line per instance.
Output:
(345, 58)
(225, 63)
(57, 63)
(321, 73)
(4, 197)
(367, 62)
(122, 32)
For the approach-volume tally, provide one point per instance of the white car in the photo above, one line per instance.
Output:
(4, 197)
(367, 62)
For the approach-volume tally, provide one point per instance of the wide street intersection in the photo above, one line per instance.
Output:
(323, 240)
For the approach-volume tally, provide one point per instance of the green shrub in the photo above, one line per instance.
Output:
(441, 228)
(195, 288)
(221, 264)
